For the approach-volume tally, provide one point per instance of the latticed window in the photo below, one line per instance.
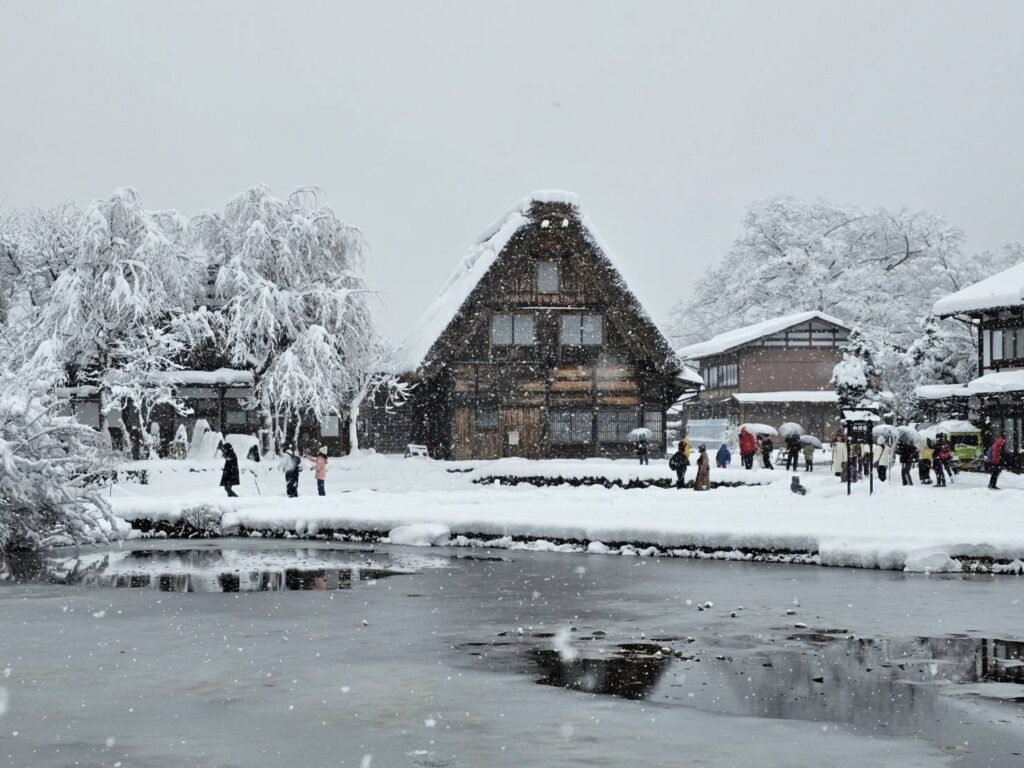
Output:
(653, 421)
(581, 331)
(570, 427)
(508, 330)
(547, 277)
(615, 426)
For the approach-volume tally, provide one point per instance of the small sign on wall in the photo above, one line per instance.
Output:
(513, 437)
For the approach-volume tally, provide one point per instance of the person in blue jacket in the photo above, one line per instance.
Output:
(723, 457)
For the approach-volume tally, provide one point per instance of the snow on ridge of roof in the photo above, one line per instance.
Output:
(1003, 289)
(480, 258)
(993, 383)
(809, 396)
(740, 336)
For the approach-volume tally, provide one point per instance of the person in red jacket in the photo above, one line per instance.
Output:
(995, 460)
(748, 447)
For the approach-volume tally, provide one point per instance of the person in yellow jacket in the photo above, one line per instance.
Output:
(924, 463)
(684, 445)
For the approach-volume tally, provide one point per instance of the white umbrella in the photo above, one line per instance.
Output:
(885, 430)
(810, 440)
(760, 429)
(641, 433)
(791, 428)
(907, 434)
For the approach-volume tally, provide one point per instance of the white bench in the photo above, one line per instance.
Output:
(414, 450)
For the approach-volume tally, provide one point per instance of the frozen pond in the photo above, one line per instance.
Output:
(271, 653)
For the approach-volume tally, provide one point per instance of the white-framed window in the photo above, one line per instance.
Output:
(721, 375)
(508, 330)
(581, 331)
(547, 277)
(997, 344)
(570, 427)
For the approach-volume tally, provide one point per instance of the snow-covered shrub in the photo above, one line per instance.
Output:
(49, 473)
(201, 518)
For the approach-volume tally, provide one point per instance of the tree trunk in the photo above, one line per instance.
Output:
(353, 425)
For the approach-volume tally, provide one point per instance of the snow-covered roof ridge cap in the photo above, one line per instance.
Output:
(523, 206)
(737, 337)
(1003, 289)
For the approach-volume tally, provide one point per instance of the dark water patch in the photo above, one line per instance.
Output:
(630, 672)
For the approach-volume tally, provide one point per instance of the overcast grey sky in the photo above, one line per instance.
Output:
(424, 121)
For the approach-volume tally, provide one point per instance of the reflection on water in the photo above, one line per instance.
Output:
(212, 569)
(879, 685)
(630, 672)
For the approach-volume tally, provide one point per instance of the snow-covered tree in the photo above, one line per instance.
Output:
(880, 271)
(49, 464)
(108, 312)
(295, 308)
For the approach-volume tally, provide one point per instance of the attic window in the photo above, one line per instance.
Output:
(547, 277)
(565, 223)
(545, 224)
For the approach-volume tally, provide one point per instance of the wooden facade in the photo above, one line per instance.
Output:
(781, 376)
(550, 355)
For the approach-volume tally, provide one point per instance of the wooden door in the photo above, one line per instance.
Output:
(521, 432)
(462, 434)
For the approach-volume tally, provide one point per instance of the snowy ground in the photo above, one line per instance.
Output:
(920, 528)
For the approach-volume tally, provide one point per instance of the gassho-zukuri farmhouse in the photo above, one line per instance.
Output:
(535, 347)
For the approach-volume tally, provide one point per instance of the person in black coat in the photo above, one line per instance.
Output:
(642, 451)
(766, 452)
(792, 452)
(908, 455)
(678, 464)
(229, 477)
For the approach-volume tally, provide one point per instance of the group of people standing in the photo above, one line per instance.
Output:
(935, 456)
(751, 445)
(290, 464)
(680, 462)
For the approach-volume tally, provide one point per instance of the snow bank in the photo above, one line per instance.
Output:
(918, 528)
(420, 534)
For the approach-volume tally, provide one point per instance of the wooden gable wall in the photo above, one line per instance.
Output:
(483, 400)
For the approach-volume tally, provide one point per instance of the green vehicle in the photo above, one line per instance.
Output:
(965, 438)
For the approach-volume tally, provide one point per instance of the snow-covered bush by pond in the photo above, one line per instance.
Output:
(49, 470)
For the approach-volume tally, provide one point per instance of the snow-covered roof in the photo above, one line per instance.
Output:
(1004, 289)
(810, 396)
(994, 383)
(737, 337)
(224, 376)
(948, 427)
(690, 375)
(481, 256)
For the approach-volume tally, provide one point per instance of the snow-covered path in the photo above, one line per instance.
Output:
(917, 528)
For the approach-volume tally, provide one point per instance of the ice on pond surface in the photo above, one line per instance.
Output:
(215, 569)
(484, 657)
